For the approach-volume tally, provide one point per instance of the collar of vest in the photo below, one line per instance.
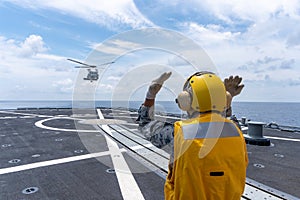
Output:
(197, 114)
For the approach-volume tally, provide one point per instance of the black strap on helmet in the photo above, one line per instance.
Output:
(187, 82)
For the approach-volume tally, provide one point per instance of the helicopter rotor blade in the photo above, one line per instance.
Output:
(106, 63)
(87, 66)
(79, 62)
(82, 67)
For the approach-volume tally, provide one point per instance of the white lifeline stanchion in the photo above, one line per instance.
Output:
(128, 186)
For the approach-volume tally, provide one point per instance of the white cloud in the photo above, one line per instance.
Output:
(65, 85)
(29, 57)
(32, 45)
(268, 45)
(112, 14)
(105, 87)
(208, 34)
(294, 39)
(260, 36)
(256, 10)
(113, 78)
(27, 71)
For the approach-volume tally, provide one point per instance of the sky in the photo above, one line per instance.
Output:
(257, 40)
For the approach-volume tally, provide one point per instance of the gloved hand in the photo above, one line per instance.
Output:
(233, 85)
(156, 85)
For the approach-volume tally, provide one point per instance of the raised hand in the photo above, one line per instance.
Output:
(233, 85)
(156, 85)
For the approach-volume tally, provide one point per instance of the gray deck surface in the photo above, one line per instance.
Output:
(25, 148)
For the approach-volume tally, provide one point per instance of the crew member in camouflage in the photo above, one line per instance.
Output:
(160, 133)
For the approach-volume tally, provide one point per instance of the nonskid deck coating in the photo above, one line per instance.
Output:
(91, 178)
(276, 166)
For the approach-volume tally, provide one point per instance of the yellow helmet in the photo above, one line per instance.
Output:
(203, 92)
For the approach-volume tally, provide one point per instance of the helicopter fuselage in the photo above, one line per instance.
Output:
(92, 75)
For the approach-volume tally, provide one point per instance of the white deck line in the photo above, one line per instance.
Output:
(52, 162)
(128, 186)
(47, 163)
(281, 138)
(41, 125)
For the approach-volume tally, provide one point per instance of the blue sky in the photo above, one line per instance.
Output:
(258, 40)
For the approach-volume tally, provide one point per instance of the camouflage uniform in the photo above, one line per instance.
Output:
(157, 132)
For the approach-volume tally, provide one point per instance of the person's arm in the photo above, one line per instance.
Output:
(233, 88)
(154, 88)
(146, 111)
(228, 111)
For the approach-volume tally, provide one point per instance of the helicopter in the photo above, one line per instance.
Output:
(93, 74)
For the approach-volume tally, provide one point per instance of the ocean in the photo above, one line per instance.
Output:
(287, 114)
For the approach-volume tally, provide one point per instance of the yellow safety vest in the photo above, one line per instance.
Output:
(210, 160)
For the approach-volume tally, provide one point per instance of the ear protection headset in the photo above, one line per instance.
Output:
(185, 98)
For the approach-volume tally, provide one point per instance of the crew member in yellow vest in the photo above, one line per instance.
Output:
(210, 157)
